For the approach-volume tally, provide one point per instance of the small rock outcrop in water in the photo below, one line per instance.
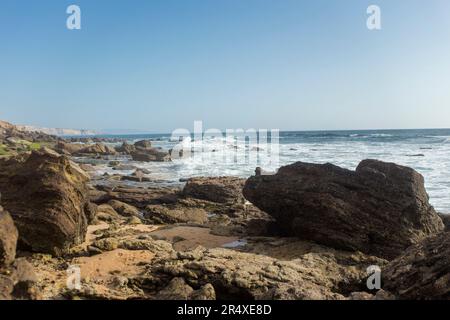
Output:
(215, 189)
(381, 208)
(143, 151)
(422, 272)
(46, 195)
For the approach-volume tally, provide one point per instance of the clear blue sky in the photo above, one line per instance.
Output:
(157, 65)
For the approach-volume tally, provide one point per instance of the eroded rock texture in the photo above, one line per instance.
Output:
(422, 272)
(47, 197)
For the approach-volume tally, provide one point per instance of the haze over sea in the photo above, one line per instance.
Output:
(425, 150)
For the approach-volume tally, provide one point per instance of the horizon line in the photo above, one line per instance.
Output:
(311, 130)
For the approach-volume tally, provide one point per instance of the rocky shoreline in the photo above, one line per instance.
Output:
(307, 232)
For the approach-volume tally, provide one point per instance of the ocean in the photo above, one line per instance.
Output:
(425, 150)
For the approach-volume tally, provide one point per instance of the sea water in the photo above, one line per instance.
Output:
(427, 151)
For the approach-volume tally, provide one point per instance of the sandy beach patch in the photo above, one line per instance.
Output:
(193, 237)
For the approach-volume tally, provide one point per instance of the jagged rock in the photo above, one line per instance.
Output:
(137, 197)
(98, 148)
(124, 209)
(47, 197)
(422, 271)
(215, 189)
(446, 220)
(381, 208)
(167, 214)
(8, 238)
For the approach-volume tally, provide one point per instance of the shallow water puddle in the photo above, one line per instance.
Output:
(235, 244)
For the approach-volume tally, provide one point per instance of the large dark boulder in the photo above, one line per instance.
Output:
(381, 208)
(422, 271)
(47, 197)
(143, 144)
